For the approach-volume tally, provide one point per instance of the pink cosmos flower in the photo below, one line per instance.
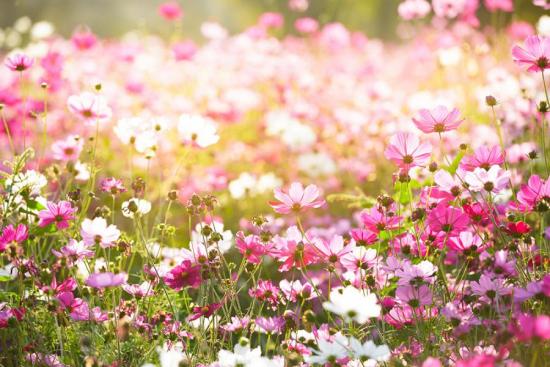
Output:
(466, 241)
(528, 327)
(97, 231)
(266, 291)
(447, 219)
(74, 251)
(332, 251)
(359, 259)
(448, 183)
(535, 194)
(448, 8)
(413, 296)
(494, 180)
(68, 149)
(170, 10)
(306, 25)
(60, 214)
(483, 157)
(18, 62)
(536, 53)
(416, 274)
(236, 324)
(270, 325)
(204, 311)
(83, 38)
(406, 151)
(78, 308)
(414, 9)
(296, 291)
(184, 50)
(105, 280)
(298, 199)
(184, 275)
(144, 289)
(363, 237)
(487, 289)
(250, 247)
(271, 20)
(545, 4)
(89, 107)
(11, 234)
(438, 120)
(376, 221)
(503, 5)
(291, 250)
(112, 185)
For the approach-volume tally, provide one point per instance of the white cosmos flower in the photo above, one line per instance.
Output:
(197, 130)
(97, 231)
(329, 351)
(369, 350)
(353, 304)
(142, 207)
(31, 180)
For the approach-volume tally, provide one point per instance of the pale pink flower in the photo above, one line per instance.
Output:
(414, 9)
(97, 231)
(68, 149)
(89, 107)
(297, 199)
(18, 62)
(494, 180)
(437, 120)
(105, 280)
(406, 151)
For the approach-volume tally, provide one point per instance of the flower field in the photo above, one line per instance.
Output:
(274, 198)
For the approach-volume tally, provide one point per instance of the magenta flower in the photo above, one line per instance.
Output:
(78, 308)
(448, 219)
(528, 327)
(406, 151)
(170, 10)
(106, 280)
(295, 290)
(437, 120)
(250, 247)
(376, 221)
(18, 62)
(503, 5)
(266, 291)
(204, 311)
(11, 234)
(184, 275)
(298, 199)
(292, 252)
(536, 53)
(535, 194)
(466, 241)
(60, 214)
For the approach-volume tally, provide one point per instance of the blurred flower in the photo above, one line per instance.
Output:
(105, 280)
(536, 53)
(197, 130)
(18, 62)
(298, 199)
(437, 120)
(170, 10)
(353, 304)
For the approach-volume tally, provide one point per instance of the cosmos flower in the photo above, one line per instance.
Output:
(297, 199)
(184, 275)
(18, 62)
(437, 120)
(106, 280)
(58, 213)
(96, 231)
(406, 151)
(353, 304)
(89, 107)
(535, 55)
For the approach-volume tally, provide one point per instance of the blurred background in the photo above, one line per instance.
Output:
(112, 18)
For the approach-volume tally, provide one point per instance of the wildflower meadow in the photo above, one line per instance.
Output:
(294, 194)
